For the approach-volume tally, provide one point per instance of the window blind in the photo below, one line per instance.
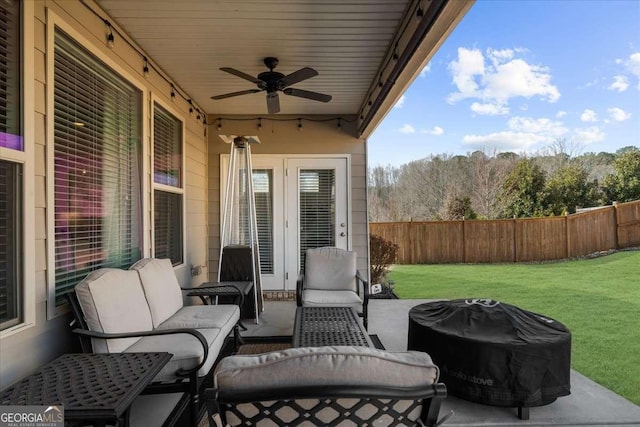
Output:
(263, 198)
(167, 151)
(10, 108)
(263, 195)
(167, 170)
(168, 226)
(10, 242)
(317, 195)
(97, 173)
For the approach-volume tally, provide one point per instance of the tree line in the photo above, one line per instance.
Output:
(554, 182)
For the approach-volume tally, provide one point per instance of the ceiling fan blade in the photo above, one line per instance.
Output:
(307, 94)
(273, 103)
(298, 76)
(241, 75)
(229, 95)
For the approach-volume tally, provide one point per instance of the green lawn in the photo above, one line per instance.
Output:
(597, 299)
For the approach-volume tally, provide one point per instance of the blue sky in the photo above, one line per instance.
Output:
(517, 74)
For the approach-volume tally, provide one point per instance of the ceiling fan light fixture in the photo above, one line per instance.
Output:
(273, 82)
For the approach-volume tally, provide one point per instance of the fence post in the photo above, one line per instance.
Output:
(615, 225)
(515, 240)
(566, 226)
(464, 241)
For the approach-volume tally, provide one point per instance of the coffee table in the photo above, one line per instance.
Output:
(329, 326)
(93, 388)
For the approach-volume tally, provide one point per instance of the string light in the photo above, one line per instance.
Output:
(110, 38)
(219, 125)
(300, 125)
(395, 53)
(259, 123)
(339, 123)
(145, 69)
(419, 12)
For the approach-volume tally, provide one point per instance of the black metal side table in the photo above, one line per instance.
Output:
(95, 388)
(238, 293)
(326, 326)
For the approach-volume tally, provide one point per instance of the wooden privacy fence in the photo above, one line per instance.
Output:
(514, 240)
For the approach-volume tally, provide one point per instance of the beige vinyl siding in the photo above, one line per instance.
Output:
(284, 138)
(25, 350)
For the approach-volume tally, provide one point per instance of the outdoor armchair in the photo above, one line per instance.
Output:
(330, 278)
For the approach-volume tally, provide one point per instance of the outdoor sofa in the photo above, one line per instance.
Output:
(142, 310)
(326, 386)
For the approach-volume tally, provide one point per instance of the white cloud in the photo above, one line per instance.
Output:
(633, 65)
(589, 135)
(400, 102)
(588, 116)
(620, 83)
(407, 129)
(560, 114)
(497, 77)
(425, 70)
(618, 114)
(504, 141)
(542, 126)
(470, 63)
(437, 130)
(489, 109)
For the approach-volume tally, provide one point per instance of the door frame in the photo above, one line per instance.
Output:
(281, 260)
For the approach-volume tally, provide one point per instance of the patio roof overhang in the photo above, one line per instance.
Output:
(366, 52)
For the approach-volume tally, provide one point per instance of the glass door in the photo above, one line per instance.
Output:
(316, 209)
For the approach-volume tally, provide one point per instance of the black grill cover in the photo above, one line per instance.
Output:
(494, 353)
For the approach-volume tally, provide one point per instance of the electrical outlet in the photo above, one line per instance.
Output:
(196, 270)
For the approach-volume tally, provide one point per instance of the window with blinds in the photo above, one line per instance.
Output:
(169, 193)
(10, 243)
(317, 195)
(97, 166)
(263, 197)
(263, 194)
(10, 60)
(11, 173)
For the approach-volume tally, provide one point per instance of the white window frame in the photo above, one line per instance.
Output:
(26, 158)
(54, 20)
(168, 188)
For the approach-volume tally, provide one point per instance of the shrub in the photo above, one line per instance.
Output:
(383, 254)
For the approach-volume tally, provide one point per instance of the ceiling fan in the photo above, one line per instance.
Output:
(274, 82)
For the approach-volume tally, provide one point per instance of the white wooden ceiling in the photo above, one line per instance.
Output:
(344, 40)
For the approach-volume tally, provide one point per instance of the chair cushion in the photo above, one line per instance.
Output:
(330, 269)
(113, 301)
(327, 366)
(160, 287)
(186, 349)
(223, 317)
(318, 298)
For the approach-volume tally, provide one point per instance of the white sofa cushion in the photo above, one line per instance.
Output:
(319, 298)
(330, 268)
(186, 349)
(160, 287)
(327, 366)
(113, 301)
(223, 317)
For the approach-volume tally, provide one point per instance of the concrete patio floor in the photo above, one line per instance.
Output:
(588, 405)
